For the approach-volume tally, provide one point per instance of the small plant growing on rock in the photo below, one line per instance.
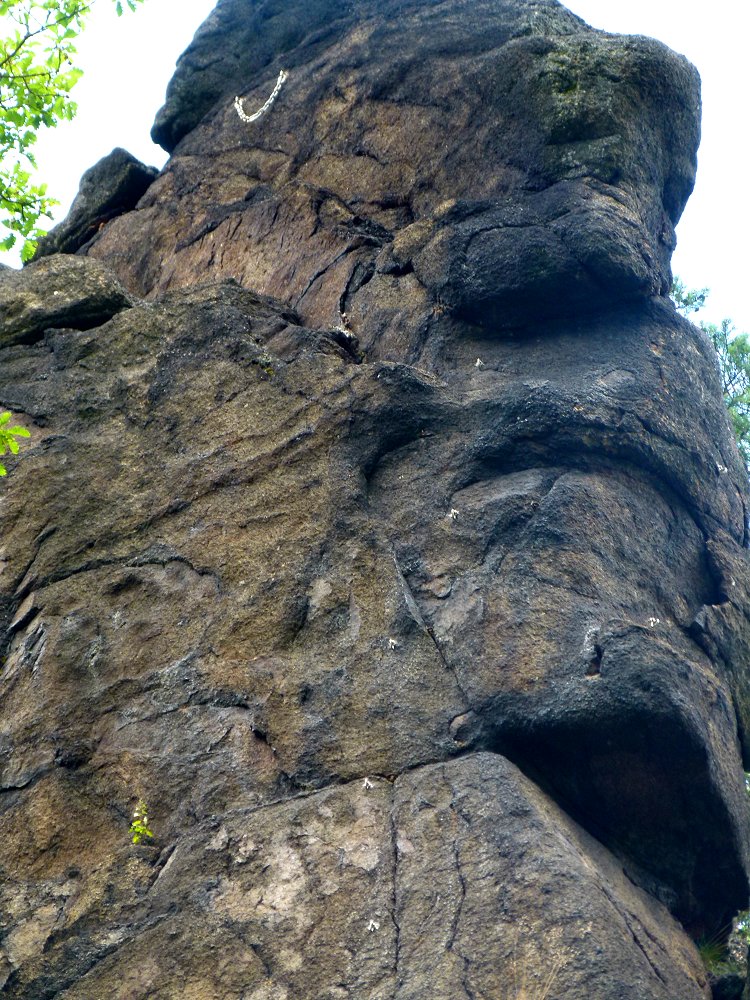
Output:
(713, 953)
(8, 437)
(725, 953)
(139, 828)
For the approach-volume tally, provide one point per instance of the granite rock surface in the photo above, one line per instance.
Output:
(382, 528)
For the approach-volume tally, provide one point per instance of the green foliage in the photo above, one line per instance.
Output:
(8, 437)
(687, 300)
(139, 828)
(713, 953)
(733, 350)
(733, 353)
(726, 951)
(36, 77)
(742, 927)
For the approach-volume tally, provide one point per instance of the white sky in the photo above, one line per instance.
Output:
(128, 62)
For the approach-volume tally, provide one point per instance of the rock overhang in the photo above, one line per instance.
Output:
(518, 163)
(398, 508)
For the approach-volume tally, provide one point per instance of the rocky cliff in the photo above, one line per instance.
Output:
(381, 529)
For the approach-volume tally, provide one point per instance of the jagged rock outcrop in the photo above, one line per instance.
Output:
(54, 293)
(385, 533)
(111, 187)
(500, 169)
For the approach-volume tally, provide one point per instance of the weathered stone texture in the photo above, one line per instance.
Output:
(486, 156)
(54, 293)
(422, 630)
(111, 187)
(499, 894)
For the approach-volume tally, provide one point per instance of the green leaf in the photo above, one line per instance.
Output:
(687, 300)
(28, 250)
(36, 76)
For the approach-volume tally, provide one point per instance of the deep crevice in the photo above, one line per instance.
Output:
(394, 893)
(416, 614)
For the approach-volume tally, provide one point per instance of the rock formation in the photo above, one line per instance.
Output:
(111, 187)
(382, 529)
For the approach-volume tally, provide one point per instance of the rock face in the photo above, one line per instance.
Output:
(54, 293)
(385, 533)
(112, 186)
(493, 157)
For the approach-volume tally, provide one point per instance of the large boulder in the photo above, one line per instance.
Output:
(486, 158)
(111, 187)
(400, 568)
(458, 879)
(56, 292)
